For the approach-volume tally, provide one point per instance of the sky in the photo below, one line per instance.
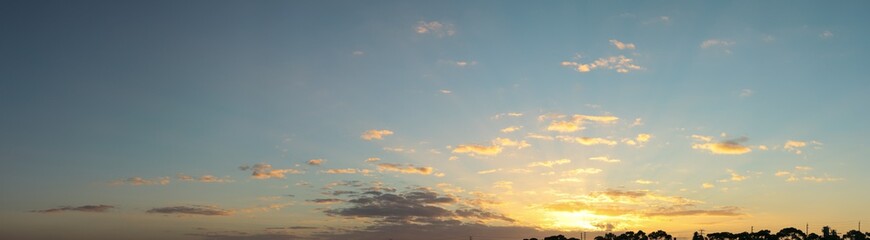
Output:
(430, 119)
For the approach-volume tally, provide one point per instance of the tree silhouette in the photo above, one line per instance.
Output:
(854, 235)
(791, 233)
(660, 235)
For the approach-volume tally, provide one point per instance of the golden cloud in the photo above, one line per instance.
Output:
(375, 134)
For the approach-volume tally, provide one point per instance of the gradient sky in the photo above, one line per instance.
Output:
(388, 119)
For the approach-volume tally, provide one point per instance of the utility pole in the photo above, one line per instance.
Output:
(859, 226)
(752, 229)
(808, 228)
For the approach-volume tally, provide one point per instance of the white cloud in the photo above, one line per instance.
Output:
(511, 143)
(620, 45)
(605, 159)
(707, 185)
(489, 171)
(473, 149)
(550, 163)
(435, 28)
(826, 34)
(620, 64)
(373, 159)
(716, 43)
(582, 171)
(644, 182)
(794, 146)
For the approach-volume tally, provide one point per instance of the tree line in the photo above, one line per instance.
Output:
(789, 233)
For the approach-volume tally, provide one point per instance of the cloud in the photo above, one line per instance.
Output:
(604, 159)
(86, 208)
(400, 149)
(620, 64)
(473, 149)
(511, 143)
(588, 141)
(716, 43)
(409, 169)
(643, 137)
(265, 171)
(346, 171)
(550, 164)
(445, 91)
(509, 114)
(826, 34)
(358, 53)
(373, 159)
(644, 182)
(581, 171)
(375, 134)
(203, 179)
(192, 210)
(745, 93)
(326, 200)
(821, 179)
(138, 181)
(732, 147)
(803, 168)
(565, 126)
(620, 45)
(511, 129)
(725, 211)
(458, 63)
(435, 28)
(489, 171)
(736, 177)
(403, 207)
(539, 136)
(315, 162)
(794, 146)
(707, 185)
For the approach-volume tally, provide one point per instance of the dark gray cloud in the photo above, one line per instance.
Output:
(86, 208)
(341, 192)
(326, 200)
(414, 204)
(445, 230)
(193, 210)
(481, 214)
(291, 228)
(235, 235)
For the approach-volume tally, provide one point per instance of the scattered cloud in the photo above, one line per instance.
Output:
(400, 149)
(620, 64)
(375, 134)
(445, 91)
(325, 200)
(744, 93)
(643, 137)
(826, 34)
(539, 136)
(511, 129)
(511, 143)
(86, 208)
(644, 182)
(576, 123)
(315, 162)
(794, 146)
(733, 147)
(710, 43)
(192, 210)
(620, 45)
(489, 171)
(372, 159)
(707, 185)
(265, 171)
(203, 178)
(588, 141)
(550, 164)
(605, 159)
(473, 149)
(409, 169)
(581, 171)
(358, 53)
(346, 171)
(435, 28)
(509, 114)
(458, 63)
(138, 181)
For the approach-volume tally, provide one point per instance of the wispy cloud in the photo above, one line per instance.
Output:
(621, 45)
(192, 210)
(473, 149)
(580, 171)
(346, 171)
(435, 28)
(620, 64)
(576, 123)
(86, 208)
(794, 146)
(407, 169)
(588, 141)
(265, 171)
(733, 147)
(138, 181)
(511, 143)
(375, 134)
(550, 163)
(826, 34)
(315, 162)
(605, 159)
(511, 129)
(203, 178)
(709, 43)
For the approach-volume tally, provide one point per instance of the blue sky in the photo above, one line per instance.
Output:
(685, 115)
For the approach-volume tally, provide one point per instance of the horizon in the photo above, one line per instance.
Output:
(351, 120)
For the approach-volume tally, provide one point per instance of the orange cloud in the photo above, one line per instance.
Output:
(375, 134)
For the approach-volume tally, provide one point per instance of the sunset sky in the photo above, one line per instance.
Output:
(430, 119)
